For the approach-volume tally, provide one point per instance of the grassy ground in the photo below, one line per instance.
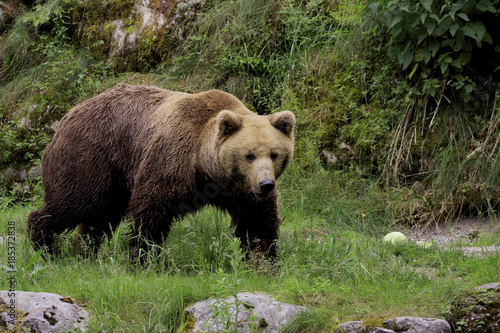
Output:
(332, 260)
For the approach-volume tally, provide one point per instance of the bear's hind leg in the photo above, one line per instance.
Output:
(104, 222)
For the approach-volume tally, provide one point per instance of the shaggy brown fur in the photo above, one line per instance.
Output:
(159, 155)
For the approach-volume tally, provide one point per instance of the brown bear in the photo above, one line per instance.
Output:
(159, 155)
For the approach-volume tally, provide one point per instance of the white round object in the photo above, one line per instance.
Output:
(395, 237)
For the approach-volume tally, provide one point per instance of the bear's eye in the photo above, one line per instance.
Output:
(274, 156)
(250, 157)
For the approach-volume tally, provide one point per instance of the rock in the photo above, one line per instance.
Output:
(477, 311)
(418, 325)
(358, 327)
(16, 173)
(350, 326)
(125, 38)
(41, 312)
(495, 286)
(257, 310)
(399, 324)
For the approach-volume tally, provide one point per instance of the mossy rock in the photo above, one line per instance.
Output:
(477, 310)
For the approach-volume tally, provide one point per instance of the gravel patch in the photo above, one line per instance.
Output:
(459, 234)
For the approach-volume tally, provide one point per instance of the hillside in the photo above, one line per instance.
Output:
(376, 99)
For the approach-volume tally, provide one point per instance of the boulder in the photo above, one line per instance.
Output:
(477, 311)
(358, 327)
(399, 324)
(41, 312)
(248, 312)
(418, 325)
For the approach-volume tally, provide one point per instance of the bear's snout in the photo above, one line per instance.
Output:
(267, 185)
(265, 188)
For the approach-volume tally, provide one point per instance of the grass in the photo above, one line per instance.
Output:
(331, 260)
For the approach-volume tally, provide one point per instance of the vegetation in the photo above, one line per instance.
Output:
(330, 261)
(398, 126)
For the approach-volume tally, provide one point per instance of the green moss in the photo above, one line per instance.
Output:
(477, 311)
(18, 322)
(187, 326)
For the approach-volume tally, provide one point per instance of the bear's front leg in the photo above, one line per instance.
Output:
(151, 226)
(257, 224)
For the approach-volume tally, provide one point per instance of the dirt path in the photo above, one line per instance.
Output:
(463, 231)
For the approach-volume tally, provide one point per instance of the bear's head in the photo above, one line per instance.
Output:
(255, 150)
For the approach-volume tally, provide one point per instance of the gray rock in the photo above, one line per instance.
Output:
(17, 174)
(378, 330)
(358, 327)
(254, 309)
(418, 325)
(41, 312)
(490, 286)
(399, 324)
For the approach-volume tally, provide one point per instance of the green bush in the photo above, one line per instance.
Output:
(437, 36)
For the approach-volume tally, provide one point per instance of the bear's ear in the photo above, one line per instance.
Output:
(283, 121)
(228, 122)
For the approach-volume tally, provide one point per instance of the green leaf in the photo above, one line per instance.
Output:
(396, 31)
(434, 47)
(444, 67)
(447, 42)
(456, 63)
(439, 31)
(427, 55)
(480, 30)
(463, 16)
(395, 20)
(446, 22)
(394, 51)
(386, 18)
(404, 6)
(464, 57)
(487, 38)
(415, 23)
(454, 28)
(459, 42)
(413, 70)
(427, 5)
(407, 59)
(457, 6)
(469, 87)
(423, 17)
(429, 25)
(435, 17)
(423, 35)
(485, 6)
(408, 46)
(469, 31)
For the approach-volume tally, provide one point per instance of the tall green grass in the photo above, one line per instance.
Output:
(331, 259)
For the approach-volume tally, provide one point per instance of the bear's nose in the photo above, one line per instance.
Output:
(267, 185)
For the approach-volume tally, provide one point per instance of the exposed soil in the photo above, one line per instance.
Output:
(463, 231)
